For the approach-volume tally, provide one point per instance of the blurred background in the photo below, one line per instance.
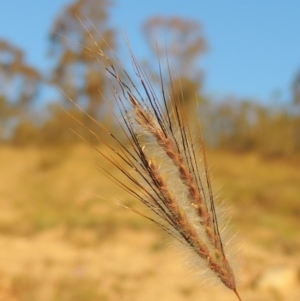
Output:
(59, 240)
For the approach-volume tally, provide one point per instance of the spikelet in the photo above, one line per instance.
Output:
(169, 180)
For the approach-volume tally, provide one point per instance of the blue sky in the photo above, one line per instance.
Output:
(254, 46)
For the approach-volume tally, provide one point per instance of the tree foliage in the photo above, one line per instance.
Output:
(19, 81)
(77, 36)
(19, 85)
(296, 89)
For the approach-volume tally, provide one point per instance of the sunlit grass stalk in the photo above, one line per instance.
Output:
(160, 161)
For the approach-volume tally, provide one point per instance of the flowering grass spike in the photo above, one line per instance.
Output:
(161, 162)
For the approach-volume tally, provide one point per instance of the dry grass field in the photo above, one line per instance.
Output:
(60, 241)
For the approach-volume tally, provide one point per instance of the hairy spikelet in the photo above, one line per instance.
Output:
(171, 180)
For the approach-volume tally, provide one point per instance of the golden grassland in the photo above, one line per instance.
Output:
(60, 241)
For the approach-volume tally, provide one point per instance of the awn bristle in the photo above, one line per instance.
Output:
(161, 163)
